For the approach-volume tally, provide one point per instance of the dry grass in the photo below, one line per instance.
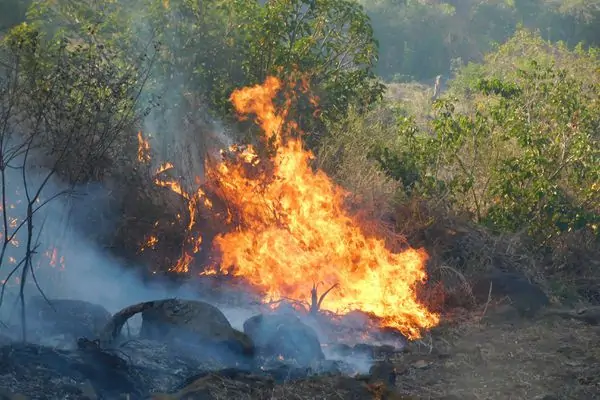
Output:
(503, 357)
(343, 155)
(216, 387)
(415, 97)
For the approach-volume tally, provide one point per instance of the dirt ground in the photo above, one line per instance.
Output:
(476, 354)
(503, 356)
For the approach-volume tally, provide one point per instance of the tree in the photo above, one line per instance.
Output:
(64, 111)
(209, 48)
(330, 42)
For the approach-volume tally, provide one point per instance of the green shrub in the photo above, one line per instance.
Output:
(517, 148)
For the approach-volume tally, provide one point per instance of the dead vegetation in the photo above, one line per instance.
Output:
(227, 386)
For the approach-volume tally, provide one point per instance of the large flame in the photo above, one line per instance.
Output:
(293, 233)
(289, 230)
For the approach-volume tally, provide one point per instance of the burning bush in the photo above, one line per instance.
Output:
(285, 228)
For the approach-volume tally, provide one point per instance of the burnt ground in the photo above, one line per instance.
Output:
(497, 356)
(491, 352)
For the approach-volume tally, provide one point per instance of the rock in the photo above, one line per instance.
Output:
(364, 350)
(340, 350)
(191, 324)
(73, 318)
(284, 336)
(528, 298)
(356, 319)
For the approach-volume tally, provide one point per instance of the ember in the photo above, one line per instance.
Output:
(292, 233)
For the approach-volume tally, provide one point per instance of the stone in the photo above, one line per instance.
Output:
(73, 318)
(284, 336)
(191, 324)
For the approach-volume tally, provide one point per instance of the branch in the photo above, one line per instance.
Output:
(15, 269)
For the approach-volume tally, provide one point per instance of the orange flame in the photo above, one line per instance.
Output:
(54, 260)
(293, 231)
(143, 149)
(193, 241)
(259, 99)
(150, 243)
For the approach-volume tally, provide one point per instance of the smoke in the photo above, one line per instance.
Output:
(182, 127)
(68, 263)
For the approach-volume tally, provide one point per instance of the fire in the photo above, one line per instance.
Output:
(54, 259)
(259, 99)
(150, 243)
(293, 231)
(289, 230)
(143, 149)
(194, 201)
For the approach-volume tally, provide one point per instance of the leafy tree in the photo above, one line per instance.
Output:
(210, 48)
(420, 40)
(330, 42)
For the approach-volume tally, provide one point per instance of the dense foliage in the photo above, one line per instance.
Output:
(515, 144)
(512, 145)
(209, 48)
